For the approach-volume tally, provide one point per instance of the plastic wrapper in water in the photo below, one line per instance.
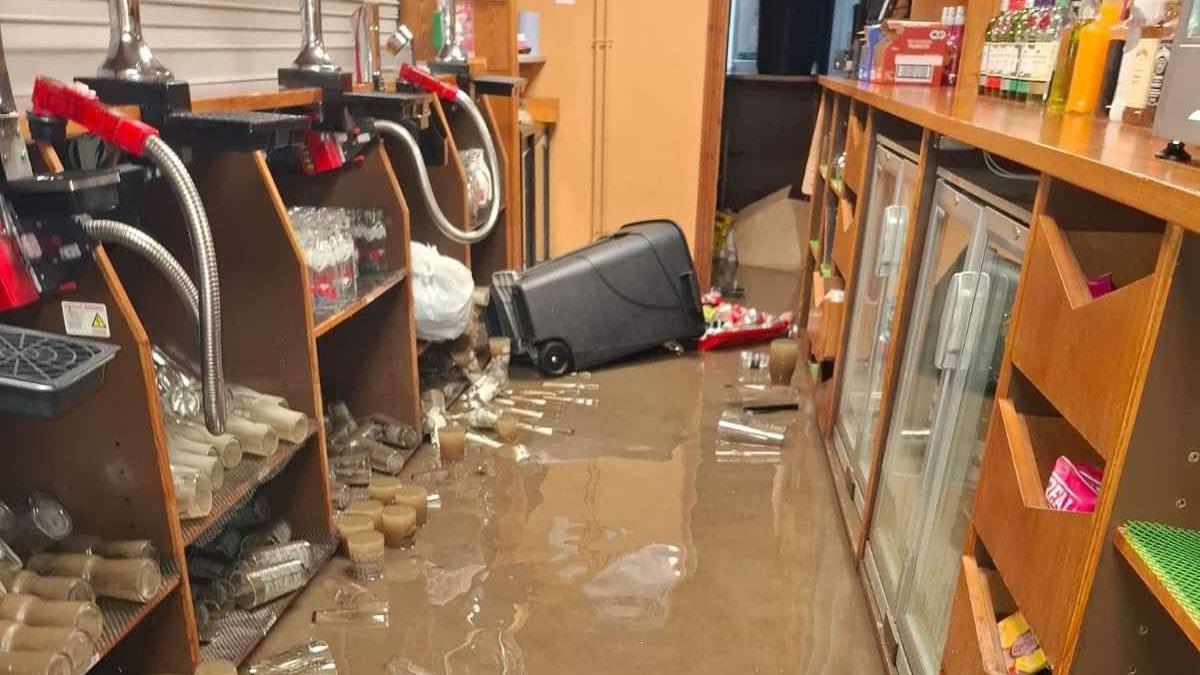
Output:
(313, 657)
(400, 665)
(740, 428)
(348, 594)
(366, 615)
(488, 650)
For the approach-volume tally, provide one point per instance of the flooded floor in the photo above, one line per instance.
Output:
(628, 548)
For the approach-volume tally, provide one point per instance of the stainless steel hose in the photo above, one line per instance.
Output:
(400, 133)
(208, 279)
(128, 236)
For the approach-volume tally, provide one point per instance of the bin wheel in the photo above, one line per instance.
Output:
(554, 358)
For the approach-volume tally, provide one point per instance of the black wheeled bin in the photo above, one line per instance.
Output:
(625, 293)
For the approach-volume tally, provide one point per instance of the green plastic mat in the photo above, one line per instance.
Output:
(1173, 554)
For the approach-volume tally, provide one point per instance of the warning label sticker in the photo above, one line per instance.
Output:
(86, 319)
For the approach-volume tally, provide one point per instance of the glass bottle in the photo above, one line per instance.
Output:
(986, 62)
(1001, 51)
(1090, 59)
(1064, 65)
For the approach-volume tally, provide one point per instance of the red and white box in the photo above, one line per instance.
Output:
(914, 53)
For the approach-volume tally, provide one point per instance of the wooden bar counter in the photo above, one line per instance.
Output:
(1108, 379)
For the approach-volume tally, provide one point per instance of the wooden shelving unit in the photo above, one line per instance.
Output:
(369, 289)
(495, 54)
(1108, 380)
(107, 459)
(242, 630)
(121, 617)
(241, 484)
(365, 354)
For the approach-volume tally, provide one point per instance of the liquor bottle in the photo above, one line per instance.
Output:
(1046, 36)
(988, 58)
(1137, 69)
(1090, 59)
(1016, 33)
(996, 53)
(1031, 64)
(1001, 50)
(951, 20)
(1064, 65)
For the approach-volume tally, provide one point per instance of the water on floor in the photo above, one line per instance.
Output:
(629, 547)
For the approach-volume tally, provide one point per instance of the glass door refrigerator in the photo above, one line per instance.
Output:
(969, 273)
(874, 304)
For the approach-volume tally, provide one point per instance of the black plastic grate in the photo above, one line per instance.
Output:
(39, 361)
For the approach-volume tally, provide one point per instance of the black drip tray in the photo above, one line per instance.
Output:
(44, 374)
(393, 106)
(234, 130)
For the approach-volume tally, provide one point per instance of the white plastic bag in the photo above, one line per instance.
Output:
(442, 289)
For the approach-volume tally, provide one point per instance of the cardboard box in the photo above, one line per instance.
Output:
(910, 52)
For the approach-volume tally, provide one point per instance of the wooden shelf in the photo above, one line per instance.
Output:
(531, 60)
(1157, 588)
(370, 288)
(121, 617)
(240, 631)
(241, 483)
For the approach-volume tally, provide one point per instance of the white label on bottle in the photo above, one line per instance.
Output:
(86, 319)
(1005, 60)
(985, 63)
(1013, 65)
(1141, 72)
(1037, 61)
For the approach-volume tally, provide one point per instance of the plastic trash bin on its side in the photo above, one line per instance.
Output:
(628, 292)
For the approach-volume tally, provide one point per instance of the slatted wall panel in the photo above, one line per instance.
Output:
(216, 45)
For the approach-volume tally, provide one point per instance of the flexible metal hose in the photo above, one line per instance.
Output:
(211, 364)
(128, 236)
(400, 133)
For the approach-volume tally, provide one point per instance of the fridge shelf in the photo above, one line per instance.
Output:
(241, 484)
(1165, 559)
(1083, 353)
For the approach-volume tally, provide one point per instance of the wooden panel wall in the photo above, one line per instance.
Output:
(630, 80)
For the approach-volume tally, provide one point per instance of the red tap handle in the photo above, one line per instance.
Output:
(425, 80)
(80, 105)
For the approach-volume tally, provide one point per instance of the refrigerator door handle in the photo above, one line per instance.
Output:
(895, 219)
(952, 332)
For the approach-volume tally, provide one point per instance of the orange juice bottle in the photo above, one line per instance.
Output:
(1089, 60)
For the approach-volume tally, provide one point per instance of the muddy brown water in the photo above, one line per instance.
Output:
(628, 548)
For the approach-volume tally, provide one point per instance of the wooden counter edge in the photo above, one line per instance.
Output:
(1161, 198)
